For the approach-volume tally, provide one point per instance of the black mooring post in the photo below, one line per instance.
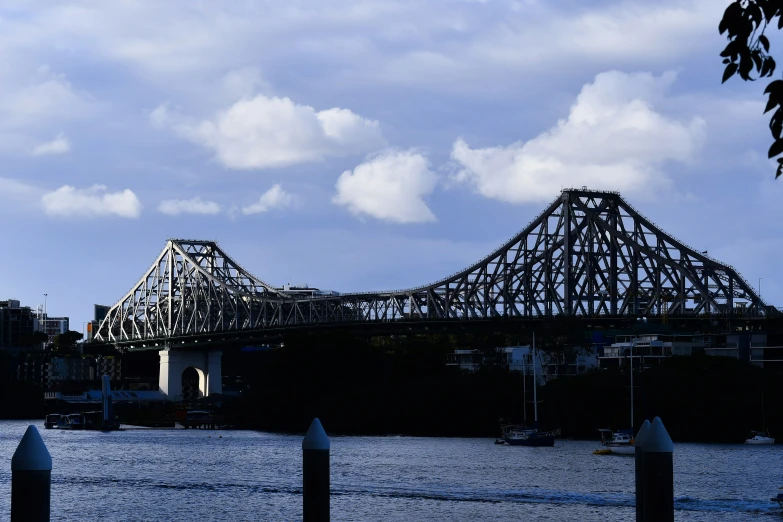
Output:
(31, 479)
(315, 474)
(657, 474)
(638, 473)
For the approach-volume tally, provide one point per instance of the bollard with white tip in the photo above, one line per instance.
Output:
(31, 479)
(638, 473)
(315, 474)
(657, 474)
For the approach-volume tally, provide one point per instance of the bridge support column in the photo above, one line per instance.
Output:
(173, 362)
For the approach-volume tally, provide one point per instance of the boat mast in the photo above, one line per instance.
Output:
(524, 389)
(633, 343)
(535, 384)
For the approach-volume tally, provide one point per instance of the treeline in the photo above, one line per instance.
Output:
(699, 399)
(18, 400)
(402, 386)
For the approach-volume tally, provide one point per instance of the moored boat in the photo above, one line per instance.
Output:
(73, 421)
(515, 435)
(619, 442)
(759, 437)
(616, 443)
(51, 420)
(522, 435)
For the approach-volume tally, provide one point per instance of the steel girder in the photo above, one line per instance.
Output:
(589, 253)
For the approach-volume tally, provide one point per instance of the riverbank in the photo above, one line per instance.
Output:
(361, 389)
(401, 386)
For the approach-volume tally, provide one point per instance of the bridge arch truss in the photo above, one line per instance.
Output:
(589, 253)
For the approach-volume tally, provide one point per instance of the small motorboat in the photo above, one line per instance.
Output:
(500, 441)
(759, 437)
(51, 421)
(617, 443)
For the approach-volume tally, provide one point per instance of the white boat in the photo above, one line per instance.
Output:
(619, 442)
(760, 438)
(515, 435)
(616, 443)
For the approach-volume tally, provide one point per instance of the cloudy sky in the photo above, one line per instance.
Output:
(362, 145)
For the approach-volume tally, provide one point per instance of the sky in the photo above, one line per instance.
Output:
(358, 146)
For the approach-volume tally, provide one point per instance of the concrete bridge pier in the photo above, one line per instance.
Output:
(173, 362)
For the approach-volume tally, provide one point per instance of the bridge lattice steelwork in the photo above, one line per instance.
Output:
(588, 253)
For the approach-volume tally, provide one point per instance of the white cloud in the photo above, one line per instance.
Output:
(174, 207)
(390, 186)
(59, 145)
(273, 198)
(263, 132)
(94, 201)
(613, 139)
(48, 96)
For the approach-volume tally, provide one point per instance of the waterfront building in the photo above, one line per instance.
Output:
(111, 366)
(756, 348)
(17, 325)
(32, 368)
(649, 349)
(520, 359)
(48, 369)
(53, 326)
(70, 369)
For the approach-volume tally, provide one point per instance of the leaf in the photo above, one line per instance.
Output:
(746, 64)
(756, 55)
(755, 14)
(776, 149)
(775, 86)
(764, 68)
(729, 48)
(771, 65)
(779, 171)
(732, 17)
(770, 10)
(776, 123)
(764, 42)
(771, 104)
(730, 70)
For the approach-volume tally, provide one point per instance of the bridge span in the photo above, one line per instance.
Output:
(588, 254)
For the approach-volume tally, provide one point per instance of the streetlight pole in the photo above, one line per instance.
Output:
(632, 345)
(44, 315)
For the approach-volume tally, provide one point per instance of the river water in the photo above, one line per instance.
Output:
(195, 475)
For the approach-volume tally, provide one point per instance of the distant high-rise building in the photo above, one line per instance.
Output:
(17, 325)
(53, 326)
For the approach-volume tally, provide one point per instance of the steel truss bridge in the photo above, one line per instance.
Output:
(589, 253)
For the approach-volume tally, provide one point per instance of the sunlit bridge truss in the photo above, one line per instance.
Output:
(589, 253)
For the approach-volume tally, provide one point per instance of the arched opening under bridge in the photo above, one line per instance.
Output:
(188, 373)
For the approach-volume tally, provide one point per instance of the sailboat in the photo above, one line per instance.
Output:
(619, 442)
(516, 435)
(761, 437)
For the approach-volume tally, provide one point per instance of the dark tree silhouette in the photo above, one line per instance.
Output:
(744, 23)
(66, 342)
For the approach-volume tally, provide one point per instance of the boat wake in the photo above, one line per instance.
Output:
(454, 494)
